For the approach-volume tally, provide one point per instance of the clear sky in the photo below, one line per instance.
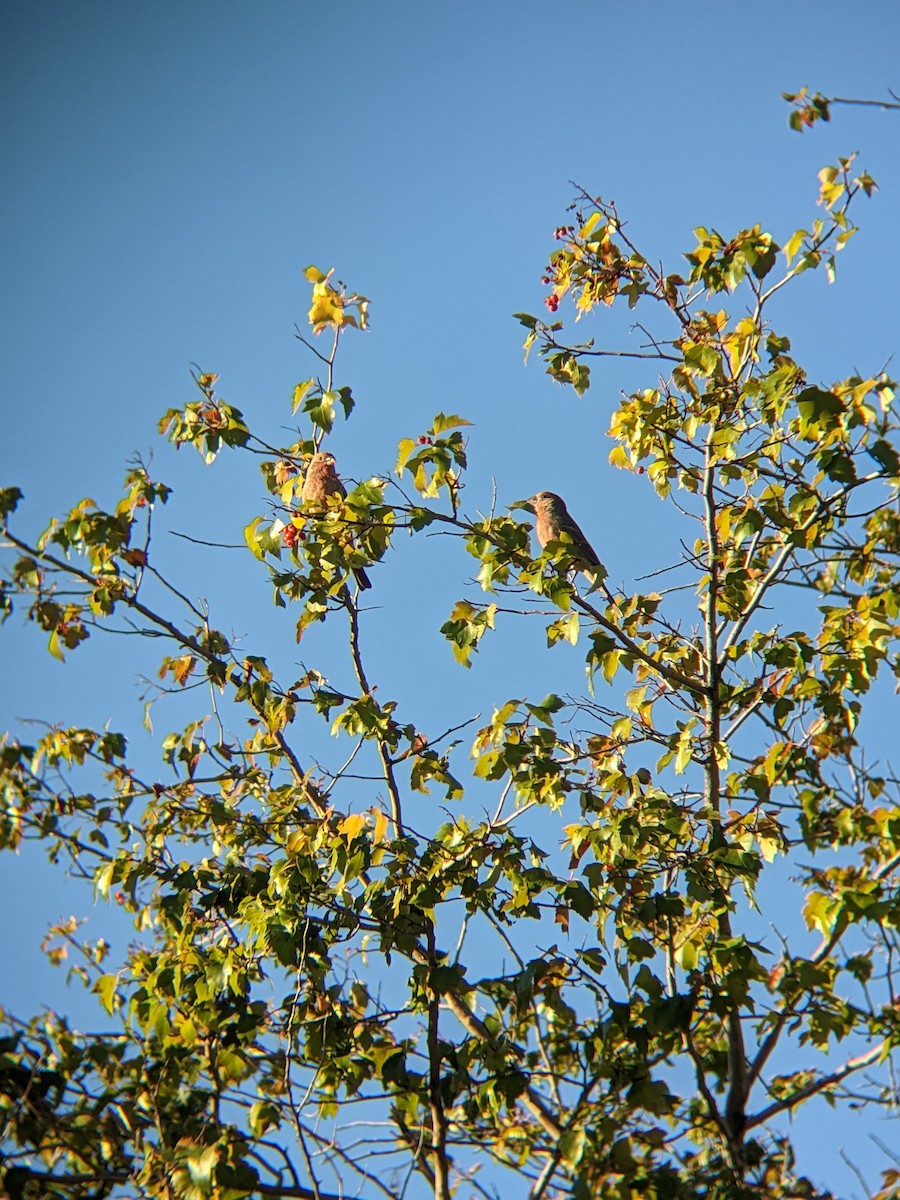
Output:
(171, 167)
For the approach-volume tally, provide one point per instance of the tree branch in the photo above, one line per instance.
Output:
(676, 678)
(818, 1085)
(387, 764)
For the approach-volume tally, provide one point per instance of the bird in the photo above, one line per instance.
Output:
(553, 521)
(320, 483)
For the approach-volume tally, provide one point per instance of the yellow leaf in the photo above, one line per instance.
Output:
(300, 392)
(381, 823)
(251, 537)
(182, 667)
(611, 664)
(352, 825)
(297, 842)
(590, 225)
(327, 307)
(54, 646)
(794, 243)
(768, 848)
(686, 956)
(621, 729)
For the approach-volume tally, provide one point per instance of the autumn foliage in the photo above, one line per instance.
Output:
(524, 951)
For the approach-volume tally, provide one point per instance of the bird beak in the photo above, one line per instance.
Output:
(528, 504)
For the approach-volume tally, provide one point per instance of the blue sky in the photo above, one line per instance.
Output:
(171, 168)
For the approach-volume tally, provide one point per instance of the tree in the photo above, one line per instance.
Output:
(557, 972)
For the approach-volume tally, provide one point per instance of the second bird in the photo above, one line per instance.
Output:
(554, 519)
(321, 482)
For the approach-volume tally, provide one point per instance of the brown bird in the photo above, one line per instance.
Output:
(319, 485)
(554, 524)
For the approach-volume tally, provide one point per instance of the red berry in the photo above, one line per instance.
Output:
(289, 535)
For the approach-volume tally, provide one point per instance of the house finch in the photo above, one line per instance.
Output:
(554, 523)
(319, 485)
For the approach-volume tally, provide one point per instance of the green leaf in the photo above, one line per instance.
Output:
(300, 392)
(263, 1116)
(564, 628)
(548, 706)
(795, 241)
(764, 262)
(578, 898)
(466, 627)
(9, 498)
(443, 422)
(321, 409)
(201, 1163)
(886, 456)
(445, 979)
(251, 537)
(684, 748)
(571, 1146)
(105, 987)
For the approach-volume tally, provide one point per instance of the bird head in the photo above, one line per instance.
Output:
(322, 460)
(547, 501)
(539, 501)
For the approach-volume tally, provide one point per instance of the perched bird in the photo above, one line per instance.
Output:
(554, 524)
(320, 483)
(321, 480)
